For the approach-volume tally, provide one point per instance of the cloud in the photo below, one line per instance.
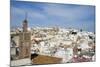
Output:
(76, 13)
(31, 14)
(46, 14)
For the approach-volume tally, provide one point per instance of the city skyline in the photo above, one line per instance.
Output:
(51, 14)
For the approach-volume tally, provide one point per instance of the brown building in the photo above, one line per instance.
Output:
(24, 41)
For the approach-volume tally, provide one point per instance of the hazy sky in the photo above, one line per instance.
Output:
(51, 14)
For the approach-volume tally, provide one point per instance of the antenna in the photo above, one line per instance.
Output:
(25, 15)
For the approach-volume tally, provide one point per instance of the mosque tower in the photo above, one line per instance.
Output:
(24, 41)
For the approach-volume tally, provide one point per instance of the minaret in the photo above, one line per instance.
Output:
(24, 41)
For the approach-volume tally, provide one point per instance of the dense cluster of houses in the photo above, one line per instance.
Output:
(69, 44)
